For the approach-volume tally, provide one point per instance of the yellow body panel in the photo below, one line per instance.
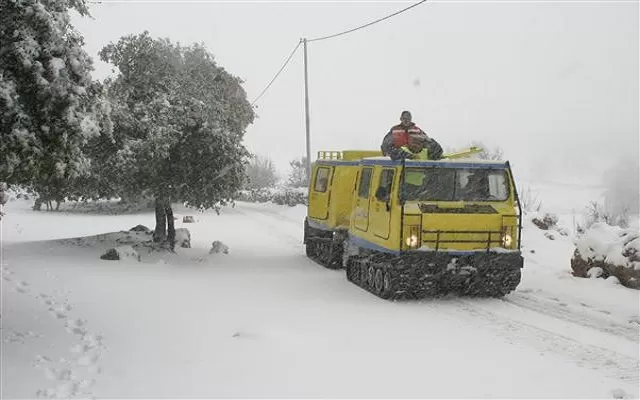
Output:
(331, 209)
(453, 226)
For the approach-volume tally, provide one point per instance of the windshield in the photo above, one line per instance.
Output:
(455, 184)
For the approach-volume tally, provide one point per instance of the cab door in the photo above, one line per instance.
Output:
(363, 198)
(380, 214)
(319, 193)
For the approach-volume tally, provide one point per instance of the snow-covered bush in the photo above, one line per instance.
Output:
(262, 195)
(261, 173)
(290, 196)
(282, 196)
(544, 221)
(596, 212)
(608, 251)
(298, 174)
(529, 201)
(219, 247)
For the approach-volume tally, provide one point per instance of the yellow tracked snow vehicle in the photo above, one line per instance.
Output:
(412, 229)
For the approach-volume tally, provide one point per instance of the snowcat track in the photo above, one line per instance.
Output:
(416, 276)
(325, 252)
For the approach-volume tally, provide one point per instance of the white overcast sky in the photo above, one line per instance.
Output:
(555, 84)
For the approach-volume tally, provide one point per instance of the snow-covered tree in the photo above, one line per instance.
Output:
(49, 107)
(298, 173)
(179, 120)
(261, 173)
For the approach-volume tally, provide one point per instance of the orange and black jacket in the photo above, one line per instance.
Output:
(398, 136)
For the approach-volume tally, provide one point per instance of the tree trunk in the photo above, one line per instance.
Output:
(171, 234)
(38, 204)
(160, 233)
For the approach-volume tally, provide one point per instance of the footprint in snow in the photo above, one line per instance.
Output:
(618, 394)
(40, 360)
(88, 359)
(22, 287)
(57, 313)
(54, 374)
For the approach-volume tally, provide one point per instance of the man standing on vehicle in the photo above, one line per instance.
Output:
(398, 136)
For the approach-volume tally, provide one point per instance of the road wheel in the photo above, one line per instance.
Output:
(378, 281)
(371, 272)
(387, 286)
(310, 249)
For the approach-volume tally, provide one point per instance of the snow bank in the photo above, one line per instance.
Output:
(611, 244)
(612, 249)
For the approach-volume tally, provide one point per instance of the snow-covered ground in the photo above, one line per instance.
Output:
(264, 321)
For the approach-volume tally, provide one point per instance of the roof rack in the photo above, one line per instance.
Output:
(348, 155)
(329, 155)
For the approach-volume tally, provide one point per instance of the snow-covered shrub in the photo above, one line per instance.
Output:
(261, 173)
(282, 196)
(298, 174)
(596, 212)
(529, 201)
(613, 249)
(546, 221)
(261, 195)
(219, 247)
(290, 197)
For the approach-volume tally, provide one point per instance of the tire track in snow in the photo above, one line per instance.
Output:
(563, 312)
(510, 326)
(85, 354)
(616, 365)
(271, 221)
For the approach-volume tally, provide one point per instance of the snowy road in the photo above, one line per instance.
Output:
(265, 321)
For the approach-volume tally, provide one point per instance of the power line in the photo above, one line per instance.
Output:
(366, 25)
(278, 73)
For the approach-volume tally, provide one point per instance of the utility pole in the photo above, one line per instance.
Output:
(306, 109)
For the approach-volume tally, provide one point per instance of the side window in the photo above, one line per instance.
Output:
(365, 183)
(383, 193)
(322, 179)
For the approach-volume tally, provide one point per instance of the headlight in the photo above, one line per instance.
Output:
(507, 240)
(413, 237)
(412, 240)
